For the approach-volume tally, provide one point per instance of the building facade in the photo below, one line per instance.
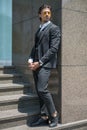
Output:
(19, 22)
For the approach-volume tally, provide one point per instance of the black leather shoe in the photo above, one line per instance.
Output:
(54, 122)
(40, 121)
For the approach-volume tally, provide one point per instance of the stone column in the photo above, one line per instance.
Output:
(74, 61)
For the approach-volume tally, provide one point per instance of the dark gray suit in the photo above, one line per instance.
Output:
(45, 50)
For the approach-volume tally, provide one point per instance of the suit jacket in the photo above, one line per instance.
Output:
(46, 46)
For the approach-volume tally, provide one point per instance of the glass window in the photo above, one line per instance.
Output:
(5, 32)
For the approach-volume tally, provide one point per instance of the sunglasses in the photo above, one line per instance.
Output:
(46, 12)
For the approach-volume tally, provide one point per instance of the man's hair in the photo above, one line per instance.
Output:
(43, 7)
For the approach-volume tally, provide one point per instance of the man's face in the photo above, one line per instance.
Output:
(45, 15)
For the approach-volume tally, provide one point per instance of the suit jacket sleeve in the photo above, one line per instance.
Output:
(32, 53)
(54, 44)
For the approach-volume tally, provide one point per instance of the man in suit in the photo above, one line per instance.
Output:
(42, 59)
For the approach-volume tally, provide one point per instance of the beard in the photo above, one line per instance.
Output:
(46, 19)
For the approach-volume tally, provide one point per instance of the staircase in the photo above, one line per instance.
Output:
(18, 104)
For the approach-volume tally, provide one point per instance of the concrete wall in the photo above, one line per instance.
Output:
(74, 60)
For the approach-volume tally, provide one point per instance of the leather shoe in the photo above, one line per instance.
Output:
(54, 122)
(40, 121)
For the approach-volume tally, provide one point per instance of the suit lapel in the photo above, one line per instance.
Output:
(41, 34)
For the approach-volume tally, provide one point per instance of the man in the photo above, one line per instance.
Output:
(42, 59)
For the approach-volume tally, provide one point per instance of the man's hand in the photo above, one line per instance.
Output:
(30, 65)
(36, 65)
(33, 66)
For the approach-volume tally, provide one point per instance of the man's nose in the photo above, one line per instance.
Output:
(47, 13)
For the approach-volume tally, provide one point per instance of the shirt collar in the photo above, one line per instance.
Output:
(42, 26)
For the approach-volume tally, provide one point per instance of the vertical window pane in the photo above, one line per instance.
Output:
(5, 32)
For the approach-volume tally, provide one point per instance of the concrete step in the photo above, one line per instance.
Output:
(7, 69)
(11, 118)
(27, 127)
(15, 88)
(10, 78)
(18, 101)
(77, 125)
